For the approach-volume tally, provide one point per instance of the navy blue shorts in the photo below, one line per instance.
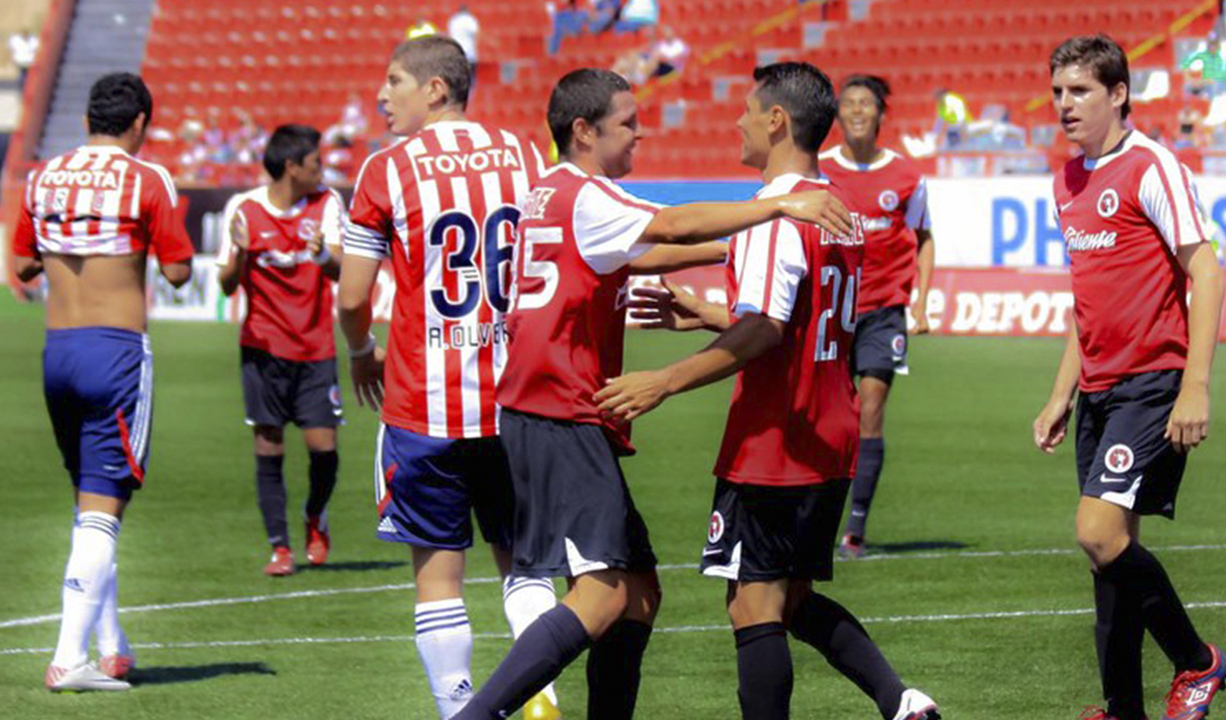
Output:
(278, 392)
(881, 342)
(1122, 454)
(427, 489)
(98, 383)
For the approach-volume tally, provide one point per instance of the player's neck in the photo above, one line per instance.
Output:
(1097, 148)
(861, 152)
(281, 194)
(447, 113)
(789, 160)
(123, 143)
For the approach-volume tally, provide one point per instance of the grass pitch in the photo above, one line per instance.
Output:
(976, 591)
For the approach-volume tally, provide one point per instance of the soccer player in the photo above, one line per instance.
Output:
(1139, 353)
(90, 219)
(285, 251)
(441, 205)
(580, 237)
(889, 193)
(789, 447)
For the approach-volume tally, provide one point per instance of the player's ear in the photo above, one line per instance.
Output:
(1118, 95)
(583, 131)
(437, 91)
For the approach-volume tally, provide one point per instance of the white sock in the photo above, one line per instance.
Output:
(445, 644)
(85, 585)
(525, 599)
(111, 637)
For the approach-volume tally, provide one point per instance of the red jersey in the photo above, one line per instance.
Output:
(794, 418)
(442, 205)
(289, 299)
(99, 200)
(577, 236)
(1124, 215)
(892, 198)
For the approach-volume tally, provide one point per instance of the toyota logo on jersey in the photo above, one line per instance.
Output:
(1119, 458)
(1108, 203)
(888, 200)
(715, 530)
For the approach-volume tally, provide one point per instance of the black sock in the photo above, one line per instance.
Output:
(323, 479)
(270, 488)
(764, 669)
(1164, 614)
(613, 669)
(868, 472)
(835, 632)
(540, 654)
(1119, 632)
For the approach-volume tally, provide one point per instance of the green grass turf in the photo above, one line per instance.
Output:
(961, 476)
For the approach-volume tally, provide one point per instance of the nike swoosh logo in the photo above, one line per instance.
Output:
(1066, 206)
(708, 553)
(1105, 479)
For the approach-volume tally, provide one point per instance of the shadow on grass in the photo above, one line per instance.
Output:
(917, 546)
(359, 566)
(195, 673)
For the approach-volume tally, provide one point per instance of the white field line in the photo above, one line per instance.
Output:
(216, 602)
(892, 619)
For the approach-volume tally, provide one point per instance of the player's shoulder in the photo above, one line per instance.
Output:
(903, 165)
(380, 159)
(1142, 153)
(324, 194)
(153, 171)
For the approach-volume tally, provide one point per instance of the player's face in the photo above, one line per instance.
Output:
(1086, 107)
(617, 135)
(859, 117)
(310, 173)
(404, 101)
(755, 127)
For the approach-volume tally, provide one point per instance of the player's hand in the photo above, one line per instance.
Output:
(634, 394)
(819, 207)
(919, 311)
(367, 374)
(240, 236)
(1188, 425)
(1051, 425)
(316, 244)
(670, 308)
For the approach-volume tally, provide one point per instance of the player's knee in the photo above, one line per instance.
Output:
(644, 597)
(1102, 545)
(269, 440)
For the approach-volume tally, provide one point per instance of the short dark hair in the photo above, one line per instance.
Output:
(874, 84)
(436, 56)
(289, 142)
(1104, 56)
(114, 102)
(584, 93)
(805, 94)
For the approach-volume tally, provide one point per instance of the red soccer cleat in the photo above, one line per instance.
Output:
(852, 547)
(318, 541)
(116, 666)
(1193, 690)
(281, 563)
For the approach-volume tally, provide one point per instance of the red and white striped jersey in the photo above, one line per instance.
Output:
(1124, 216)
(795, 419)
(577, 238)
(99, 200)
(892, 197)
(442, 205)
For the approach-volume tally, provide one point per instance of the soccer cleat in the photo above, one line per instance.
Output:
(540, 708)
(318, 541)
(915, 705)
(852, 547)
(117, 665)
(281, 563)
(82, 678)
(1193, 690)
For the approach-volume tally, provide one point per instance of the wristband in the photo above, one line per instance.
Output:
(322, 256)
(371, 343)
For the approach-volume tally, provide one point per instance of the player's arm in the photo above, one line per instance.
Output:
(167, 234)
(27, 261)
(1051, 426)
(325, 245)
(671, 258)
(1189, 421)
(700, 222)
(634, 394)
(924, 262)
(235, 255)
(673, 308)
(357, 280)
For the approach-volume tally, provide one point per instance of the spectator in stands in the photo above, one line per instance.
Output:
(669, 53)
(1212, 68)
(464, 29)
(1191, 132)
(420, 28)
(953, 114)
(605, 14)
(248, 141)
(352, 125)
(23, 46)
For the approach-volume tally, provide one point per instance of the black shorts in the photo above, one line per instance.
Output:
(278, 392)
(759, 533)
(573, 511)
(1122, 454)
(881, 342)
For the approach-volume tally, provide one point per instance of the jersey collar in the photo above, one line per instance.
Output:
(783, 184)
(1130, 141)
(260, 195)
(836, 154)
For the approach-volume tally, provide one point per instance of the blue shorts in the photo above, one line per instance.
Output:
(880, 348)
(427, 489)
(98, 382)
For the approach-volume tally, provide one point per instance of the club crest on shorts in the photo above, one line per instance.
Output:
(1108, 203)
(334, 395)
(888, 200)
(899, 344)
(715, 530)
(1119, 458)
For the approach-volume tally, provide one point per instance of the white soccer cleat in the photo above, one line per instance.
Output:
(915, 705)
(82, 678)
